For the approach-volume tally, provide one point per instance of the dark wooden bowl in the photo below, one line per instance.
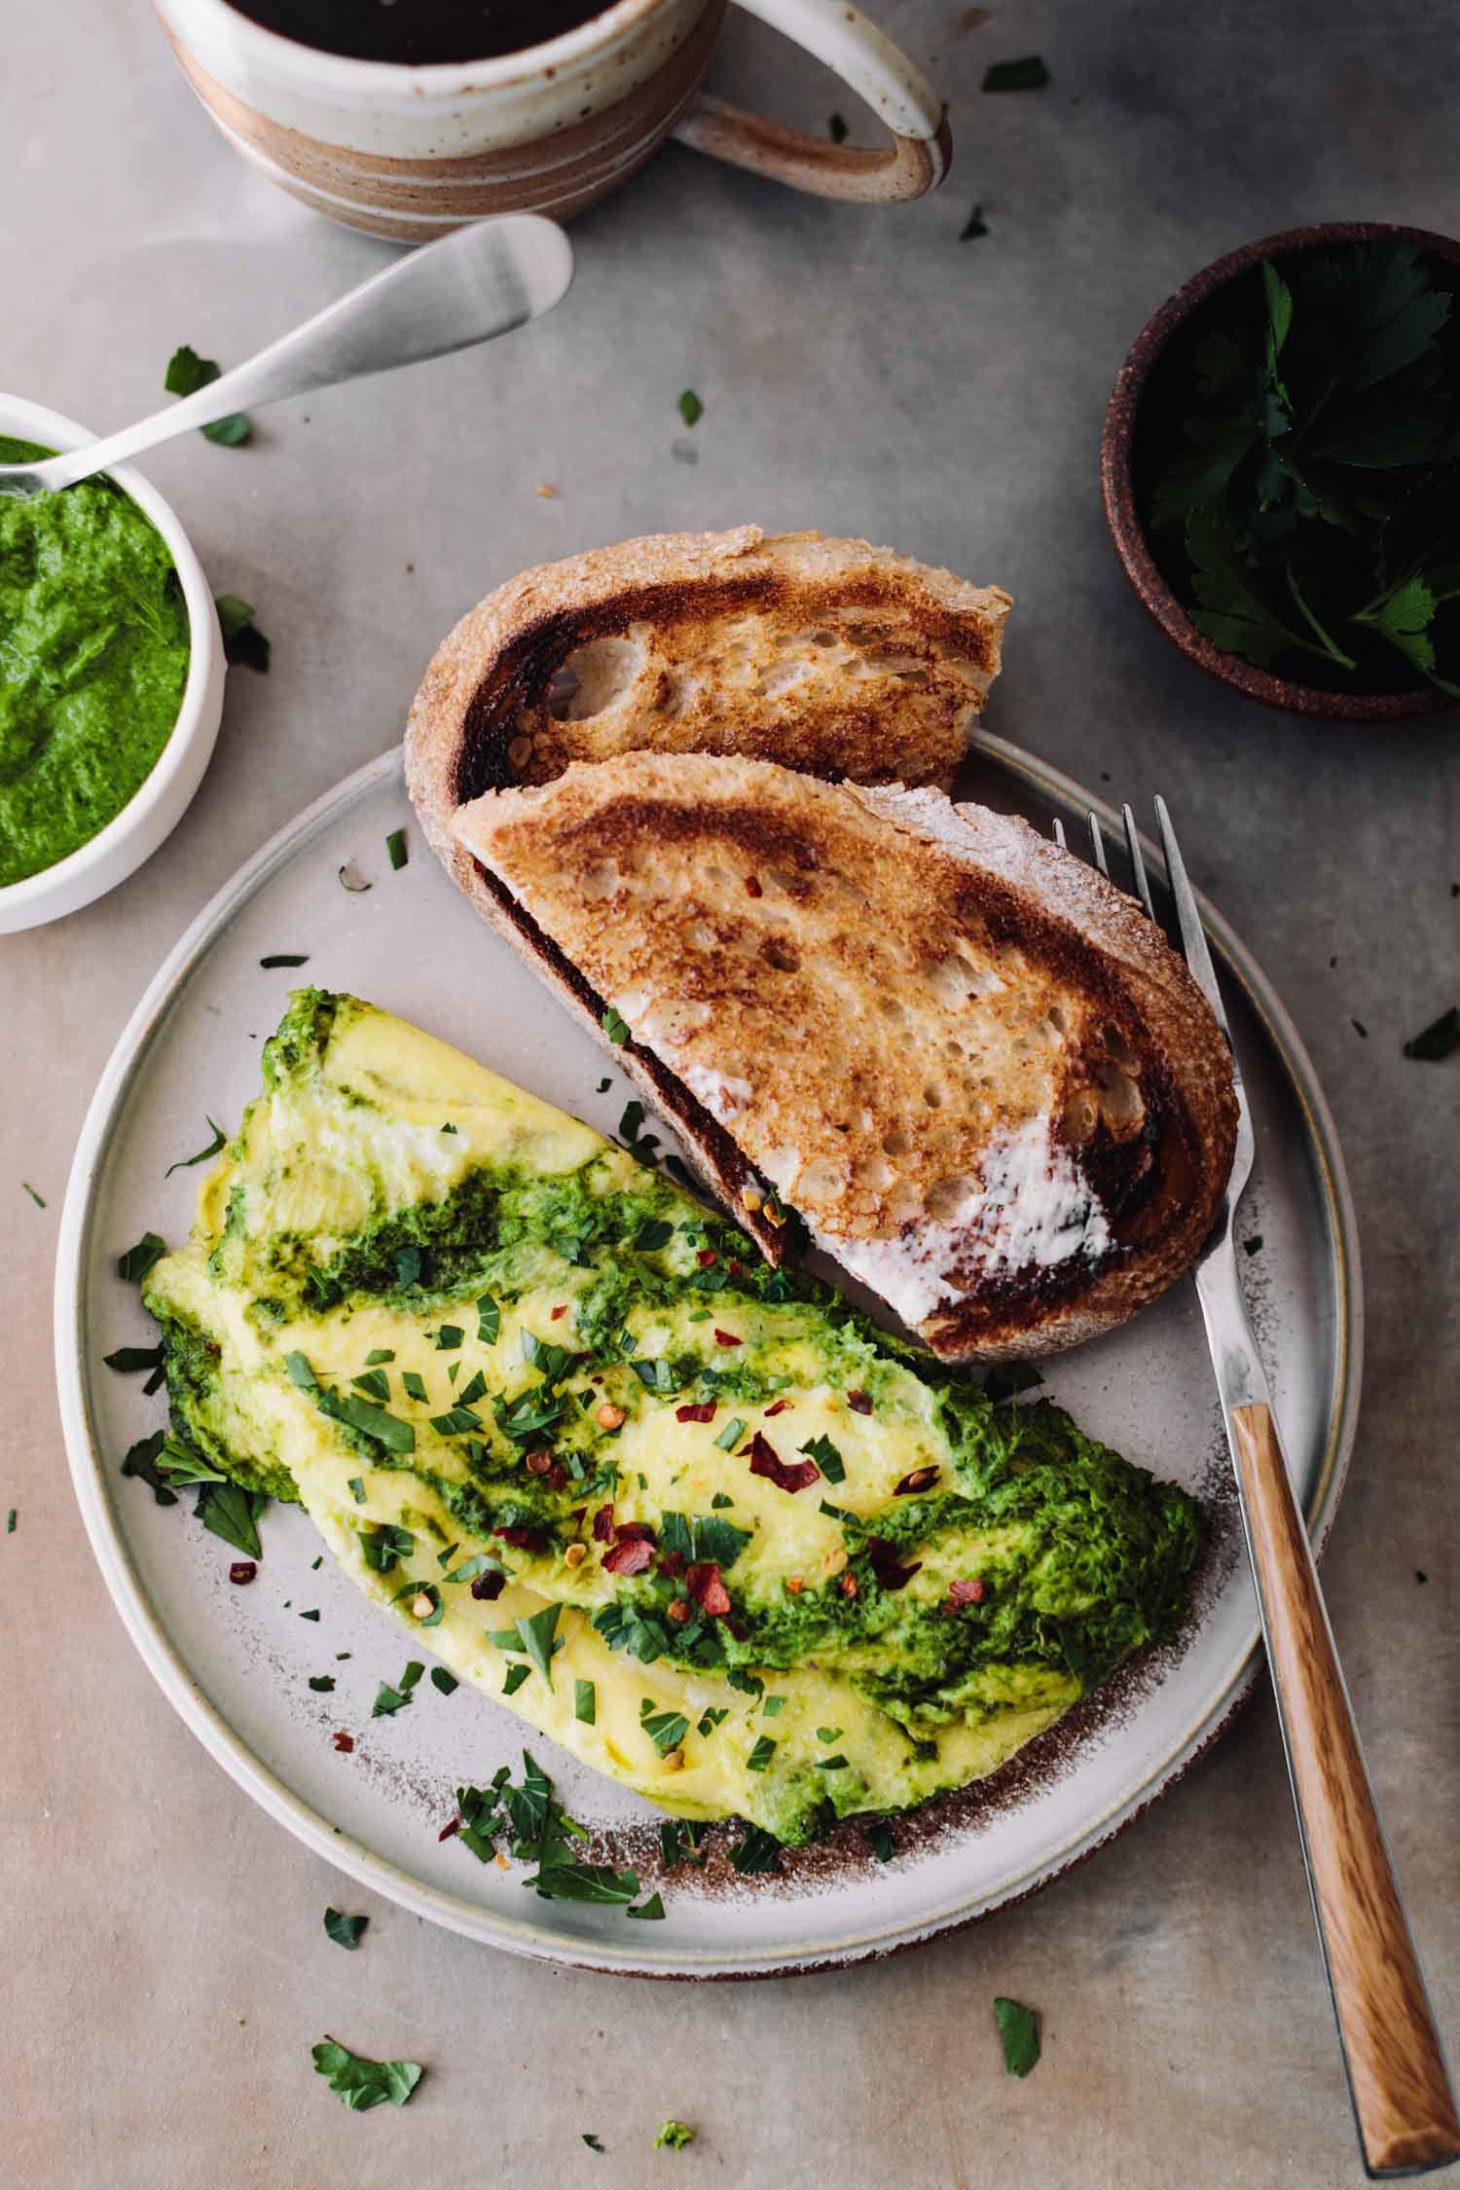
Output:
(1118, 485)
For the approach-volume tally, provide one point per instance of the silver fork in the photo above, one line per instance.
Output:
(1404, 2106)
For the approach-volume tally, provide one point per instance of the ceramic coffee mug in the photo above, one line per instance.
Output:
(410, 152)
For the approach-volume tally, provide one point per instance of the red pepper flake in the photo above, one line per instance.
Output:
(345, 1743)
(848, 1585)
(488, 1585)
(752, 886)
(707, 1258)
(452, 1826)
(962, 1592)
(787, 1475)
(703, 1410)
(859, 1402)
(794, 1585)
(603, 1525)
(735, 1268)
(887, 1568)
(560, 1310)
(525, 1539)
(677, 1611)
(242, 1570)
(781, 1407)
(727, 1338)
(918, 1479)
(704, 1583)
(632, 1556)
(538, 1463)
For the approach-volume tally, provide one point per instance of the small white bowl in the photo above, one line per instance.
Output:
(160, 801)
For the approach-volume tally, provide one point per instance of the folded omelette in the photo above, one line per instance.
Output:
(697, 1520)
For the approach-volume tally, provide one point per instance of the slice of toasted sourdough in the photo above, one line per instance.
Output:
(829, 655)
(971, 1065)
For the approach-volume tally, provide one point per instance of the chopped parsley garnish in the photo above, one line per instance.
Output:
(691, 409)
(428, 1593)
(1019, 2031)
(456, 1422)
(624, 1627)
(244, 647)
(445, 1683)
(233, 1513)
(831, 1764)
(141, 1460)
(538, 1830)
(712, 1716)
(309, 1615)
(475, 1389)
(513, 1678)
(673, 2136)
(383, 1543)
(881, 1842)
(1251, 1246)
(653, 1234)
(139, 1259)
(828, 1734)
(774, 1706)
(186, 374)
(395, 845)
(1026, 74)
(323, 1684)
(1008, 1377)
(731, 1435)
(827, 1458)
(38, 1199)
(10, 1520)
(701, 1536)
(975, 225)
(666, 1729)
(585, 1702)
(357, 1489)
(361, 2083)
(378, 1354)
(591, 2141)
(489, 1320)
(389, 1700)
(132, 1360)
(369, 1420)
(760, 1756)
(748, 1684)
(284, 958)
(448, 1338)
(345, 1931)
(615, 1026)
(185, 1163)
(1439, 1040)
(374, 1383)
(756, 1851)
(537, 1634)
(413, 1384)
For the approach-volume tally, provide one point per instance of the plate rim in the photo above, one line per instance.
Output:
(144, 1625)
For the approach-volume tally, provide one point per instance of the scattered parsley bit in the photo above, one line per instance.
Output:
(244, 645)
(1360, 1029)
(186, 374)
(1027, 74)
(344, 1930)
(138, 1260)
(691, 409)
(537, 1634)
(395, 845)
(1009, 1377)
(774, 1706)
(603, 1086)
(448, 1338)
(1019, 2030)
(615, 1026)
(731, 1435)
(881, 1842)
(673, 2137)
(186, 1163)
(836, 128)
(513, 1678)
(383, 1544)
(10, 1520)
(284, 958)
(827, 1458)
(38, 1199)
(141, 1460)
(591, 2141)
(314, 1615)
(760, 1756)
(975, 225)
(666, 1729)
(446, 1683)
(351, 882)
(747, 1684)
(713, 1715)
(389, 1700)
(1251, 1246)
(361, 2083)
(1439, 1040)
(652, 1911)
(413, 1384)
(585, 1702)
(323, 1684)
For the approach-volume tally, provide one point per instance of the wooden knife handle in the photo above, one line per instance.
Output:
(1401, 2092)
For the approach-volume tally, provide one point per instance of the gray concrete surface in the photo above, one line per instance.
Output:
(861, 371)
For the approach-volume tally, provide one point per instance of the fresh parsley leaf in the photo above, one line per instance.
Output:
(245, 647)
(747, 1684)
(141, 1460)
(445, 1683)
(345, 1931)
(382, 1544)
(666, 1729)
(489, 1320)
(1019, 2032)
(615, 1026)
(881, 1842)
(186, 374)
(652, 1911)
(323, 1684)
(975, 225)
(138, 1260)
(284, 958)
(594, 1882)
(756, 1852)
(537, 1634)
(585, 1702)
(368, 1420)
(185, 1163)
(233, 1513)
(691, 409)
(133, 1360)
(397, 848)
(389, 1700)
(1008, 1377)
(362, 2083)
(513, 1678)
(1026, 74)
(827, 1458)
(760, 1756)
(1439, 1040)
(673, 2137)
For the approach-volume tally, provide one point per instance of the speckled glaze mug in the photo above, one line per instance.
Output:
(410, 152)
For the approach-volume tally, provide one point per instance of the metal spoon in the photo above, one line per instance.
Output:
(476, 283)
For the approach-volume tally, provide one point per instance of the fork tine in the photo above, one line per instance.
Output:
(1188, 920)
(1057, 830)
(1097, 845)
(1137, 863)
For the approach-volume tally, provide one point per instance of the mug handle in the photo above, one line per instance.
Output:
(874, 68)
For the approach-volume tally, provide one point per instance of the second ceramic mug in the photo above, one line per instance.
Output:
(411, 152)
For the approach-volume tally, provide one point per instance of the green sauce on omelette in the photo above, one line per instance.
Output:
(528, 1389)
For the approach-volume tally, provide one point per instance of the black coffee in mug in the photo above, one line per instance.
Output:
(420, 31)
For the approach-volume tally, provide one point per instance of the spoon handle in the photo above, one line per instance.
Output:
(479, 282)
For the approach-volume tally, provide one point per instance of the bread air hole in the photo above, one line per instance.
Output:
(594, 678)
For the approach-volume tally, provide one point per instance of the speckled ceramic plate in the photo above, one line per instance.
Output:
(237, 1662)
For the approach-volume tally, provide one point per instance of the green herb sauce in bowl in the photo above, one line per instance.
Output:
(94, 650)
